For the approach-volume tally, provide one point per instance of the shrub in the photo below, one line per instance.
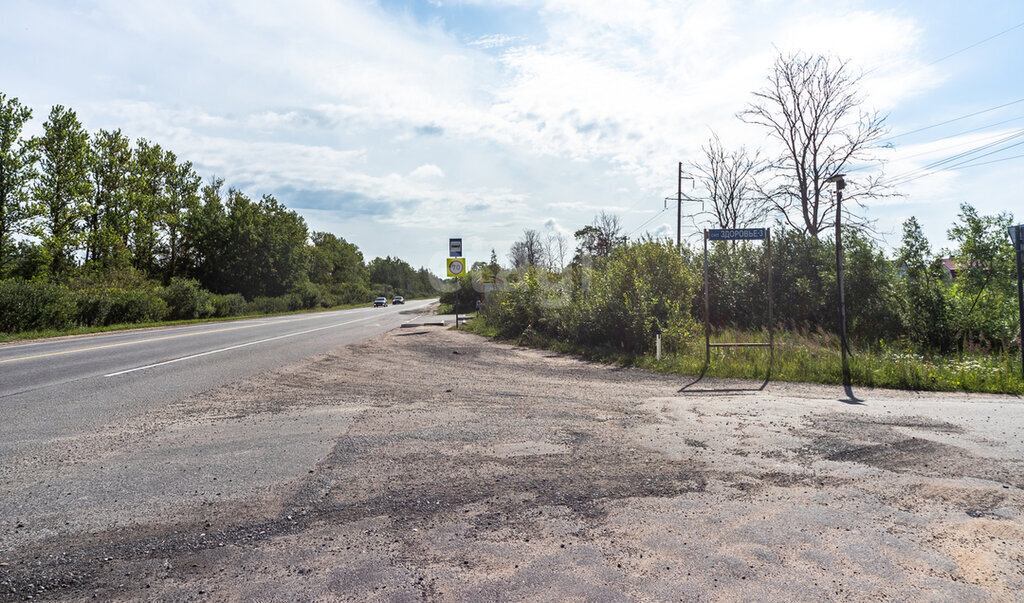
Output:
(267, 305)
(642, 289)
(35, 305)
(227, 305)
(186, 299)
(468, 295)
(351, 293)
(519, 308)
(311, 295)
(104, 306)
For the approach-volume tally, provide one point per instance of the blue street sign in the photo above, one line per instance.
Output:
(732, 234)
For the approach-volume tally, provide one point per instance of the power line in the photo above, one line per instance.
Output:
(649, 220)
(946, 148)
(992, 37)
(858, 168)
(992, 161)
(980, 147)
(943, 164)
(967, 164)
(968, 161)
(958, 160)
(962, 133)
(949, 121)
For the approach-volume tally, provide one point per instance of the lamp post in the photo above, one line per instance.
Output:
(1017, 236)
(840, 185)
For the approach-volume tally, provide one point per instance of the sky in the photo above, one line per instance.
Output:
(398, 124)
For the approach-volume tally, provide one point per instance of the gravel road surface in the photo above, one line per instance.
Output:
(433, 464)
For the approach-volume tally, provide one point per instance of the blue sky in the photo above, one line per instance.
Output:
(398, 124)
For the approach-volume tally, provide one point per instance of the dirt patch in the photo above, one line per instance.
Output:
(456, 468)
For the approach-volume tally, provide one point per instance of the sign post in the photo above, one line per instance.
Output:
(737, 234)
(456, 268)
(1017, 236)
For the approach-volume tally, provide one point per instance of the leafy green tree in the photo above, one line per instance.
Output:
(869, 280)
(982, 296)
(920, 291)
(62, 191)
(205, 236)
(181, 198)
(334, 261)
(390, 275)
(493, 267)
(108, 218)
(28, 260)
(253, 248)
(153, 167)
(805, 283)
(16, 174)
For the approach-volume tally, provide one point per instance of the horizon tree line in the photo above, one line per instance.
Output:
(73, 202)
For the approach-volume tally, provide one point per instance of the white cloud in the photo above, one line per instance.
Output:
(495, 41)
(591, 111)
(427, 170)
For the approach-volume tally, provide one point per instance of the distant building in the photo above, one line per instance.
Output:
(951, 267)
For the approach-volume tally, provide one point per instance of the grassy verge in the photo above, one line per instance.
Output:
(814, 358)
(24, 335)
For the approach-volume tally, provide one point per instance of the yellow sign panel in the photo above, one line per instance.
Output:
(456, 267)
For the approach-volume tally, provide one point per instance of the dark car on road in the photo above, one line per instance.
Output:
(398, 300)
(380, 301)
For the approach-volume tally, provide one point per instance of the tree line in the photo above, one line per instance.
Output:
(616, 294)
(98, 229)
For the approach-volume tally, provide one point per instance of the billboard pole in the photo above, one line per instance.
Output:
(1017, 236)
(840, 185)
(707, 307)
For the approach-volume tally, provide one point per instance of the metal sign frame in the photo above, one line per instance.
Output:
(455, 248)
(738, 234)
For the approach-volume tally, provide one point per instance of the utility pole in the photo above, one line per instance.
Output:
(679, 205)
(840, 185)
(679, 209)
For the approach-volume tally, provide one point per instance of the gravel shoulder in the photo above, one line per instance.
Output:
(434, 464)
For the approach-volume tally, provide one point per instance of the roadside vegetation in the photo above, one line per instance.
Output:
(908, 328)
(916, 318)
(99, 230)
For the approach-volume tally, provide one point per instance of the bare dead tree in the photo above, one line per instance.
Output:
(812, 107)
(597, 240)
(527, 251)
(556, 246)
(728, 180)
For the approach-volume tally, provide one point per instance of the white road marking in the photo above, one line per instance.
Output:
(235, 347)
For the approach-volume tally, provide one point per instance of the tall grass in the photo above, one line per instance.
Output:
(813, 357)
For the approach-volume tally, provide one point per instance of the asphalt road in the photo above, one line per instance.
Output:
(432, 464)
(62, 387)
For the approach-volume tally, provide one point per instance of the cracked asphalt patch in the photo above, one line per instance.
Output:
(448, 467)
